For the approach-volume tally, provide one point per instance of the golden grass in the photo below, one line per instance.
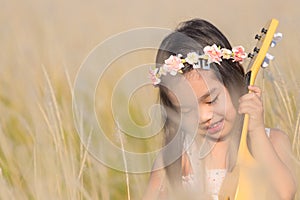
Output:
(42, 46)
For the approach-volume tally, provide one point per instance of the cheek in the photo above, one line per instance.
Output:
(230, 109)
(231, 113)
(225, 107)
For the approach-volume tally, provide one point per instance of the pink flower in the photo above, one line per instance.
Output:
(173, 64)
(154, 76)
(214, 53)
(239, 53)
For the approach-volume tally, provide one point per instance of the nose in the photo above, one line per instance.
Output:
(206, 113)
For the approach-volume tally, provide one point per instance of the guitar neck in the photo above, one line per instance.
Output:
(262, 47)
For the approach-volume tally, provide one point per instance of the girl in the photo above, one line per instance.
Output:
(198, 58)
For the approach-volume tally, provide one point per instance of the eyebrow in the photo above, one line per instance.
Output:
(207, 94)
(203, 97)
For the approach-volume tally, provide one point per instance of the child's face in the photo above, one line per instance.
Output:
(215, 109)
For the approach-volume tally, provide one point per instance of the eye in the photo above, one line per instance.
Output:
(213, 101)
(186, 110)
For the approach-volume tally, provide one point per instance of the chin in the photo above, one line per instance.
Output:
(216, 137)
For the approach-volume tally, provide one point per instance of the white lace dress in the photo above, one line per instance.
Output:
(214, 178)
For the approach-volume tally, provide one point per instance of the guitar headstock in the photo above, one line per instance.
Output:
(266, 38)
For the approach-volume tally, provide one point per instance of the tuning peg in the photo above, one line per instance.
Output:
(277, 37)
(256, 49)
(267, 60)
(269, 56)
(250, 55)
(257, 37)
(263, 30)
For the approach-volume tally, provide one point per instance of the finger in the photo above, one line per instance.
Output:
(250, 109)
(255, 116)
(251, 105)
(249, 101)
(250, 97)
(255, 89)
(253, 113)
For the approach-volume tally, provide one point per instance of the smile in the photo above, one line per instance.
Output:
(215, 127)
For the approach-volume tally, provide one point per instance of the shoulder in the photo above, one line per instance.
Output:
(281, 144)
(279, 137)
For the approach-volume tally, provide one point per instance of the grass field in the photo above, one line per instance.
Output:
(44, 43)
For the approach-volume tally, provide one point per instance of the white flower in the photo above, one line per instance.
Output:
(226, 53)
(192, 58)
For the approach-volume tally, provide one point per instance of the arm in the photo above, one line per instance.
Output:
(274, 154)
(156, 185)
(282, 146)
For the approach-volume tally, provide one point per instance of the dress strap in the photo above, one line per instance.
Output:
(268, 131)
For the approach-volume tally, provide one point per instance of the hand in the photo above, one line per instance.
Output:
(251, 104)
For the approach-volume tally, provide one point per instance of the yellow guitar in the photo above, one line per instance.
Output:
(240, 184)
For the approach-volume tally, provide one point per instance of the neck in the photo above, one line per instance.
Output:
(218, 155)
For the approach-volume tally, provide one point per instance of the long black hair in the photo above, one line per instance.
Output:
(193, 36)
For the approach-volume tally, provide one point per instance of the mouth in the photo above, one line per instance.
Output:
(214, 127)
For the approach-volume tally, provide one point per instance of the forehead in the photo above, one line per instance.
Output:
(202, 81)
(194, 85)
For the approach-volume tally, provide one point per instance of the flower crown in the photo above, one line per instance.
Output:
(212, 54)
